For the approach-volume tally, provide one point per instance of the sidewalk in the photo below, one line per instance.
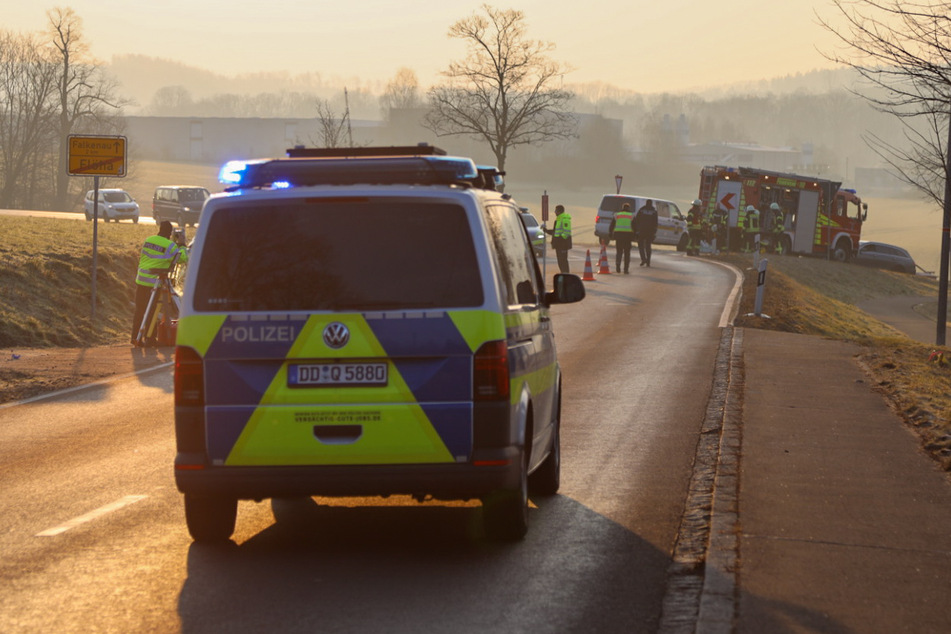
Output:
(844, 524)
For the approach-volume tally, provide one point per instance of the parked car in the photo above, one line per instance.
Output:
(671, 224)
(885, 256)
(114, 204)
(179, 204)
(535, 233)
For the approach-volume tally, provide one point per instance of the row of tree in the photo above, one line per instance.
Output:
(49, 89)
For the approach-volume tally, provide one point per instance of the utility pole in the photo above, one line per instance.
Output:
(945, 244)
(346, 101)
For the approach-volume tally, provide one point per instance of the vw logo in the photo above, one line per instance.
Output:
(336, 335)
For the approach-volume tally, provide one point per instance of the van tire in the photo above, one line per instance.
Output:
(505, 512)
(682, 244)
(210, 519)
(546, 479)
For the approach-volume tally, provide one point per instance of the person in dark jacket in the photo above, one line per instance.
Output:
(645, 226)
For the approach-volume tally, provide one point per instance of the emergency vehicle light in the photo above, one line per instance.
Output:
(370, 170)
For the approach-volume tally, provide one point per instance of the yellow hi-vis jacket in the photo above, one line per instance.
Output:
(562, 228)
(157, 253)
(623, 222)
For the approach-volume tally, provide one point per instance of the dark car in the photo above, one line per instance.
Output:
(885, 256)
(179, 204)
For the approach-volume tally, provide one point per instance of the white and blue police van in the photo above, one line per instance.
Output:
(365, 322)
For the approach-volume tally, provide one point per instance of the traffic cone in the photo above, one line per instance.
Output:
(603, 262)
(588, 273)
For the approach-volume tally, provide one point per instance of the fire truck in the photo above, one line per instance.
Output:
(821, 218)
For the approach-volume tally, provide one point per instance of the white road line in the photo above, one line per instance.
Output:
(88, 517)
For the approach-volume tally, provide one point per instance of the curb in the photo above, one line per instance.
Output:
(701, 579)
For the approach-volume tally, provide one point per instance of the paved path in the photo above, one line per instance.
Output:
(844, 523)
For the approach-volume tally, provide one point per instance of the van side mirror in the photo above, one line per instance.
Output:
(568, 289)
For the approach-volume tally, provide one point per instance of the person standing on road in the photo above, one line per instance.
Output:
(694, 228)
(623, 237)
(561, 237)
(645, 226)
(157, 255)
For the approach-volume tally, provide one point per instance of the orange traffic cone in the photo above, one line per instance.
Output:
(588, 273)
(603, 262)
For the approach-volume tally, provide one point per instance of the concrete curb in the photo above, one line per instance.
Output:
(701, 579)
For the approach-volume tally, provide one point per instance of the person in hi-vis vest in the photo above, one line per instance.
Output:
(158, 254)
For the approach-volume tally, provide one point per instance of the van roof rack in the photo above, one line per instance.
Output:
(420, 149)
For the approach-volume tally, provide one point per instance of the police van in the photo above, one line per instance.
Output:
(365, 322)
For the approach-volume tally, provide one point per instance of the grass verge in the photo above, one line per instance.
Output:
(816, 297)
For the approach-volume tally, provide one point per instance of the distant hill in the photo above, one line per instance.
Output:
(141, 76)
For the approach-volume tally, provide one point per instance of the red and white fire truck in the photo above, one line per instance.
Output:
(821, 218)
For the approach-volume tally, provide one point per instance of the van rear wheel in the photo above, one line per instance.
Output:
(210, 519)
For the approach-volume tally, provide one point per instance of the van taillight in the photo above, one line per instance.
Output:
(189, 378)
(490, 381)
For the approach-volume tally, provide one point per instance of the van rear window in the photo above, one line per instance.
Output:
(613, 203)
(338, 254)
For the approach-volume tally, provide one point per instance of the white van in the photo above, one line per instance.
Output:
(671, 224)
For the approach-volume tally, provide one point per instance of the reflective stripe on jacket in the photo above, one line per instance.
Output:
(157, 253)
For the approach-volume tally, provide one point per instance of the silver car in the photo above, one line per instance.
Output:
(885, 256)
(535, 233)
(114, 204)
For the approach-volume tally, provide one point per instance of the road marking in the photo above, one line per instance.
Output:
(88, 517)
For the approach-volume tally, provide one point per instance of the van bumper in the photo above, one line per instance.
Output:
(486, 472)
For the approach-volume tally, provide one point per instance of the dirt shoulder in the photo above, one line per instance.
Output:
(32, 371)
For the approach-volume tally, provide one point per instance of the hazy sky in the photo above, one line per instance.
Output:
(642, 45)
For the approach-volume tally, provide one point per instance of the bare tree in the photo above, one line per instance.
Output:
(86, 97)
(902, 51)
(334, 129)
(401, 92)
(27, 84)
(507, 91)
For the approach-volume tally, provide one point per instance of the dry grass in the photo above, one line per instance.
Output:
(816, 297)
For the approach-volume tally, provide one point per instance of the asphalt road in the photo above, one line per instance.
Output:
(92, 532)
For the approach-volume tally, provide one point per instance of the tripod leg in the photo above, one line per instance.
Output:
(146, 326)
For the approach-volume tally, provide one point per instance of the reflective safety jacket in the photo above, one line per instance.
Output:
(562, 228)
(779, 222)
(624, 222)
(752, 222)
(694, 219)
(157, 253)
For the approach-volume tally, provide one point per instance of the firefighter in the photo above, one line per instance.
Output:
(750, 229)
(741, 228)
(694, 228)
(779, 227)
(721, 221)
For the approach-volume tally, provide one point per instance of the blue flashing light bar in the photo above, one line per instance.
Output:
(363, 170)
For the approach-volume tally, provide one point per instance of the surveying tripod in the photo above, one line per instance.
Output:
(164, 306)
